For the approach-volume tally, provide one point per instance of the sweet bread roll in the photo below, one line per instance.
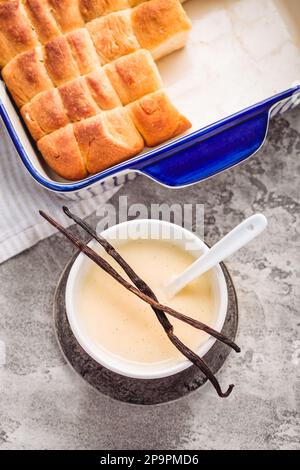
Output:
(77, 100)
(16, 33)
(113, 36)
(67, 14)
(61, 152)
(91, 9)
(26, 76)
(157, 119)
(39, 13)
(44, 114)
(107, 139)
(161, 26)
(73, 107)
(83, 50)
(134, 76)
(101, 90)
(59, 61)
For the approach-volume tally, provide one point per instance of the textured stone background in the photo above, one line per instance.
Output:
(44, 404)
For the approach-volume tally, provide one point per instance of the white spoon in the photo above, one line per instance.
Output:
(236, 239)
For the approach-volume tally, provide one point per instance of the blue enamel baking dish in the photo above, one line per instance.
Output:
(202, 80)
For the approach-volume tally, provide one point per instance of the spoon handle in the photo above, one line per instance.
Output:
(236, 239)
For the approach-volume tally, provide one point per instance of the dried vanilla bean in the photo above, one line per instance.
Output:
(157, 307)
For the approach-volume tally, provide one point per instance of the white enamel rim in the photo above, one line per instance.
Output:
(109, 360)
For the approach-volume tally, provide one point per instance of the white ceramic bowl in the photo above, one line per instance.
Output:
(153, 229)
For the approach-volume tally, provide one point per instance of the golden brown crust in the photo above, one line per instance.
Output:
(102, 91)
(91, 9)
(77, 100)
(42, 19)
(113, 36)
(107, 139)
(157, 21)
(6, 53)
(67, 14)
(157, 119)
(59, 61)
(44, 114)
(83, 50)
(134, 3)
(16, 33)
(26, 76)
(61, 152)
(134, 76)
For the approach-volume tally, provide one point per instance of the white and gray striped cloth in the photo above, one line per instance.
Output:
(21, 197)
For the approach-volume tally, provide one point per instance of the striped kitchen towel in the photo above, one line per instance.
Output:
(21, 197)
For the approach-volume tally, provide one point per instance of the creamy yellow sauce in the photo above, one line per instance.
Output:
(123, 324)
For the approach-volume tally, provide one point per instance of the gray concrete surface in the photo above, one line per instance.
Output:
(44, 404)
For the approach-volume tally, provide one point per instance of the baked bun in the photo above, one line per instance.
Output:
(83, 50)
(134, 76)
(67, 14)
(16, 33)
(39, 13)
(107, 139)
(161, 26)
(44, 114)
(61, 152)
(113, 36)
(91, 9)
(157, 119)
(59, 61)
(77, 100)
(26, 76)
(101, 90)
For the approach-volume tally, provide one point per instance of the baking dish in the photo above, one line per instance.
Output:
(242, 61)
